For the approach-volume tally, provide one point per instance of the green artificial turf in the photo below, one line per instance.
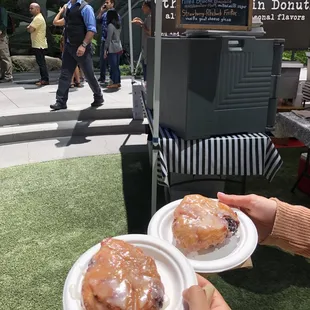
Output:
(50, 213)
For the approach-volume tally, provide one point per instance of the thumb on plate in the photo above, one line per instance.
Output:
(198, 298)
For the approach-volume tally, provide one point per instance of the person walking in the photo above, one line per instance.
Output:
(113, 48)
(60, 22)
(102, 17)
(37, 30)
(80, 27)
(5, 57)
(146, 32)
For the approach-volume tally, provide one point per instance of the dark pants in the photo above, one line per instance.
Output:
(40, 58)
(69, 62)
(114, 60)
(103, 63)
(144, 71)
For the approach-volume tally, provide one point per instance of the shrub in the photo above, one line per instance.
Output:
(299, 56)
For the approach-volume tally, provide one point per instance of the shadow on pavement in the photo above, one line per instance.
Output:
(137, 187)
(8, 85)
(26, 84)
(77, 135)
(28, 79)
(64, 142)
(30, 84)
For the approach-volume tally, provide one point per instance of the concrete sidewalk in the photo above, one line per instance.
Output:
(22, 93)
(31, 105)
(69, 147)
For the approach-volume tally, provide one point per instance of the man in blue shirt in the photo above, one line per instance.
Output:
(80, 27)
(102, 17)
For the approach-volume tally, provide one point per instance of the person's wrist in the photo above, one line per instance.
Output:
(84, 44)
(273, 210)
(266, 232)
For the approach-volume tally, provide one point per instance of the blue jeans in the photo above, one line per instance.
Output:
(103, 63)
(114, 60)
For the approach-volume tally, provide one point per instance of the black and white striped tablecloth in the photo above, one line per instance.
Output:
(306, 91)
(233, 155)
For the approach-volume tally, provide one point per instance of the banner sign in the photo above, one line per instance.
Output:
(288, 19)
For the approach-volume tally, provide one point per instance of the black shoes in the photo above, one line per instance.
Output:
(58, 106)
(97, 102)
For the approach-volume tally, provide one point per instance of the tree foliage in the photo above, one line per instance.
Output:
(14, 6)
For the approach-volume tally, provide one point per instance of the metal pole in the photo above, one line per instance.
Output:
(130, 40)
(293, 56)
(138, 64)
(156, 101)
(154, 180)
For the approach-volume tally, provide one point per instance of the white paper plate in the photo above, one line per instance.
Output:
(231, 254)
(176, 272)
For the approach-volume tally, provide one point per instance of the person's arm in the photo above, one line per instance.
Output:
(109, 38)
(291, 229)
(31, 29)
(146, 26)
(58, 20)
(90, 23)
(35, 24)
(137, 20)
(99, 16)
(4, 20)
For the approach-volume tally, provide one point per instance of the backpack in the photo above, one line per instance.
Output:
(11, 25)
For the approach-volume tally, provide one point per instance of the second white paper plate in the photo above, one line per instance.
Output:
(175, 271)
(235, 251)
